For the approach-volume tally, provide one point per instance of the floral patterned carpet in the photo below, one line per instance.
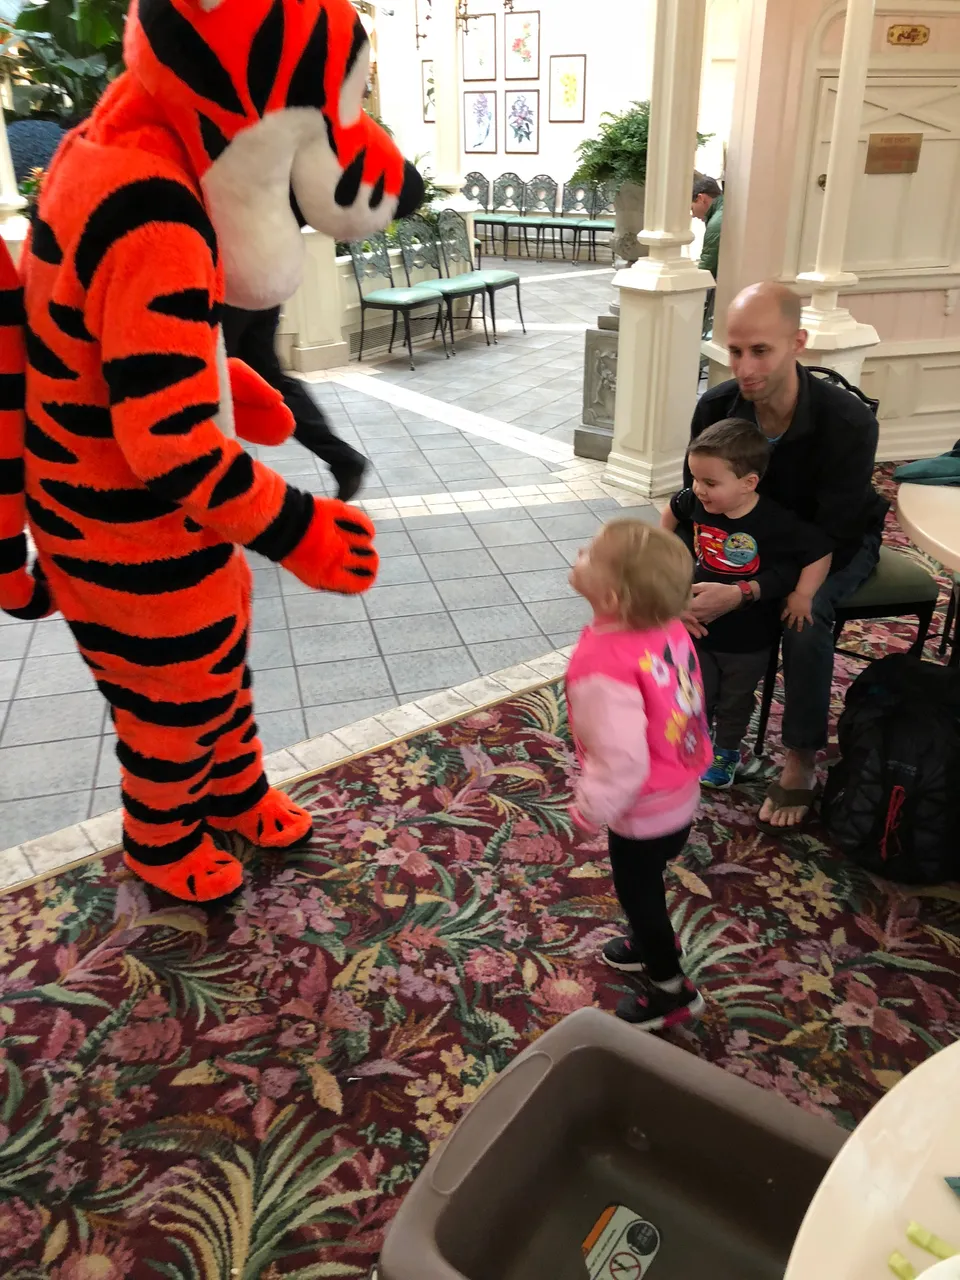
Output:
(250, 1093)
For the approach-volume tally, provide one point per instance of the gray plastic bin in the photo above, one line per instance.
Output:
(597, 1113)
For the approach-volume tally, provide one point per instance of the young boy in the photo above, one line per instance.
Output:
(741, 538)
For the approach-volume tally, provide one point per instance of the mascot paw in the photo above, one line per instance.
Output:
(259, 412)
(26, 597)
(204, 875)
(336, 553)
(275, 823)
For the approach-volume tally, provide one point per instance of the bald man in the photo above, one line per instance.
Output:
(824, 445)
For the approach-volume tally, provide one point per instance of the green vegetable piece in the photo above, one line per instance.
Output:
(901, 1268)
(927, 1240)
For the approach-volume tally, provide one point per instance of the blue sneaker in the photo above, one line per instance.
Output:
(720, 775)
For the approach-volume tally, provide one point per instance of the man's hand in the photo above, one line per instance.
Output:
(798, 610)
(712, 599)
(696, 628)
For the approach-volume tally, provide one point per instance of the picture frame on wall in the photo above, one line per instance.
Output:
(522, 121)
(521, 45)
(479, 49)
(429, 94)
(568, 88)
(480, 122)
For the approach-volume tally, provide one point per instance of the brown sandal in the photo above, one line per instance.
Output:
(784, 799)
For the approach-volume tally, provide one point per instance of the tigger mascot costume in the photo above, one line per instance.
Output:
(235, 121)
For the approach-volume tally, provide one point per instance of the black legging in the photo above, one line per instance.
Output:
(251, 337)
(638, 867)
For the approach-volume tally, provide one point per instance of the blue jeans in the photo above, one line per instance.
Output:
(808, 654)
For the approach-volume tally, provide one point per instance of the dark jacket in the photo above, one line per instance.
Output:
(710, 254)
(822, 466)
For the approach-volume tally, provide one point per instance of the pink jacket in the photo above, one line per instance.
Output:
(635, 700)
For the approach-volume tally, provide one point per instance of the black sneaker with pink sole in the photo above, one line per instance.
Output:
(654, 1009)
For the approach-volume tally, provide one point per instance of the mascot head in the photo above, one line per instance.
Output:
(267, 97)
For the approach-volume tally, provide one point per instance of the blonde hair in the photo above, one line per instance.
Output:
(652, 572)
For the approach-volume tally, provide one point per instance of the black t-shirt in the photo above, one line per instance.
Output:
(769, 546)
(822, 467)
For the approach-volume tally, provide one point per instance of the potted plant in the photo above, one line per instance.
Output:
(618, 155)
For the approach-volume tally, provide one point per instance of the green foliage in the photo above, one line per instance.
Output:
(62, 54)
(619, 153)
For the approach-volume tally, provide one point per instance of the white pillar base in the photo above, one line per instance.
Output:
(313, 314)
(837, 341)
(661, 322)
(14, 231)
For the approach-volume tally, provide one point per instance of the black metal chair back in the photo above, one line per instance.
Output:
(605, 196)
(540, 196)
(371, 260)
(476, 187)
(454, 242)
(578, 197)
(418, 246)
(838, 380)
(507, 194)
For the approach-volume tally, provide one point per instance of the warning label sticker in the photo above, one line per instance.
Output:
(621, 1246)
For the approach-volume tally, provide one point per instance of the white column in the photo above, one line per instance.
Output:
(315, 312)
(662, 295)
(13, 225)
(445, 45)
(833, 332)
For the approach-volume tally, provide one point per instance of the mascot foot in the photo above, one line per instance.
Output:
(275, 823)
(206, 874)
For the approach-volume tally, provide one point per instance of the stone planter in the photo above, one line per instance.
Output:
(594, 436)
(629, 203)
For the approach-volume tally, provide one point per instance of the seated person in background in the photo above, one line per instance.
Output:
(741, 538)
(824, 443)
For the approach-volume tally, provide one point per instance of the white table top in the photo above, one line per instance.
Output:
(891, 1172)
(930, 515)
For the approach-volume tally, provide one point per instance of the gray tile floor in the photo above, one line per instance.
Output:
(459, 595)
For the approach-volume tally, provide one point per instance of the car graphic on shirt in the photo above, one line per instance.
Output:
(726, 552)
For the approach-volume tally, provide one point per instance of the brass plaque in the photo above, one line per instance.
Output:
(908, 33)
(893, 152)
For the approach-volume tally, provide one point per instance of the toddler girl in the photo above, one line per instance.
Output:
(635, 701)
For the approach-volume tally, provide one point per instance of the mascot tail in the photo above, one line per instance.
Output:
(21, 594)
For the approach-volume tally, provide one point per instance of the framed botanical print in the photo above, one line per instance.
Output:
(480, 48)
(522, 121)
(429, 93)
(521, 45)
(568, 88)
(480, 122)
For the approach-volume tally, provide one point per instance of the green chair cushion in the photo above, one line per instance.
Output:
(394, 298)
(495, 278)
(598, 224)
(497, 218)
(572, 223)
(897, 581)
(467, 282)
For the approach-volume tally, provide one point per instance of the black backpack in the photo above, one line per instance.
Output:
(892, 801)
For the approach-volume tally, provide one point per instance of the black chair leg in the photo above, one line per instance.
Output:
(949, 620)
(924, 620)
(363, 330)
(483, 303)
(443, 329)
(393, 334)
(493, 315)
(766, 699)
(453, 343)
(520, 310)
(409, 332)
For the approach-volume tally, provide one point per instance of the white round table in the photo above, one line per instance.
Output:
(930, 515)
(890, 1173)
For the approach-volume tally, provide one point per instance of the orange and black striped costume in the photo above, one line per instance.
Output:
(137, 494)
